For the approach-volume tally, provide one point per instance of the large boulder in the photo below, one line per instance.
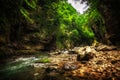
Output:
(104, 47)
(84, 53)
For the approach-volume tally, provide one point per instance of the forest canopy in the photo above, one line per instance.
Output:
(49, 21)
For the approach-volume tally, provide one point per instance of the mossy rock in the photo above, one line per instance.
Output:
(43, 60)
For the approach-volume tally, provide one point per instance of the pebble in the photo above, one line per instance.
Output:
(36, 74)
(70, 66)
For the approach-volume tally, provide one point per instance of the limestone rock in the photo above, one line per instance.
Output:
(70, 66)
(86, 53)
(105, 48)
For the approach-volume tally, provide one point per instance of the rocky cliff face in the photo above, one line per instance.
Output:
(111, 13)
(16, 32)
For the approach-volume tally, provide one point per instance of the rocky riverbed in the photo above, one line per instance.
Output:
(81, 63)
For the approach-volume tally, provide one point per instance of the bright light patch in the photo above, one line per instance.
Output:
(80, 6)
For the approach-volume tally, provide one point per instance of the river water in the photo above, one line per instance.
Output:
(23, 68)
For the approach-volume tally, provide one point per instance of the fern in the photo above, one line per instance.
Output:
(25, 13)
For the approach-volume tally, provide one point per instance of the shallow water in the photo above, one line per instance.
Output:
(22, 68)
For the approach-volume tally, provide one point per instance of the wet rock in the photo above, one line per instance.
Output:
(84, 57)
(99, 62)
(39, 65)
(105, 48)
(51, 69)
(54, 53)
(85, 54)
(59, 52)
(76, 49)
(72, 52)
(52, 76)
(52, 73)
(70, 66)
(36, 74)
(65, 52)
(80, 56)
(114, 61)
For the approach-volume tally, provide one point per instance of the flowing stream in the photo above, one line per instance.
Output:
(22, 68)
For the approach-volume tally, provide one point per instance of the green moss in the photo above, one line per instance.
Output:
(43, 60)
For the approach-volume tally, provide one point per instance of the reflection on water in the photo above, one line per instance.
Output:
(22, 69)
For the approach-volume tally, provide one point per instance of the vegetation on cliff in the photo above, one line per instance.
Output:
(49, 22)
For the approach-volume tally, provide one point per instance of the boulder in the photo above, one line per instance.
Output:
(105, 48)
(86, 53)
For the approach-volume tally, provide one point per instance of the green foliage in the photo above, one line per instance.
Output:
(58, 18)
(31, 3)
(25, 13)
(73, 28)
(43, 60)
(96, 20)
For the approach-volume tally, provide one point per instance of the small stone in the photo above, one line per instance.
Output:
(88, 49)
(36, 74)
(99, 62)
(70, 66)
(66, 52)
